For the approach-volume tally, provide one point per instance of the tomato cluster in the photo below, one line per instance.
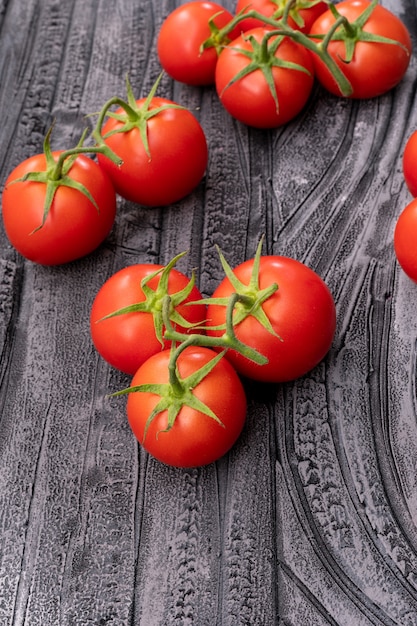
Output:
(271, 319)
(263, 61)
(59, 206)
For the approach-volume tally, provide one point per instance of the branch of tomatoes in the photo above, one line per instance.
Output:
(281, 28)
(258, 53)
(178, 391)
(150, 150)
(250, 329)
(58, 167)
(190, 383)
(350, 32)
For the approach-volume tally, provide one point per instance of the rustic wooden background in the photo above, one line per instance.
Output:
(311, 519)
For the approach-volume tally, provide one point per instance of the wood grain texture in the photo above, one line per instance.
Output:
(311, 519)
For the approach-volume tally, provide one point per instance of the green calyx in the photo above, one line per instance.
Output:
(178, 392)
(57, 172)
(133, 115)
(250, 297)
(155, 299)
(262, 57)
(352, 33)
(218, 36)
(227, 341)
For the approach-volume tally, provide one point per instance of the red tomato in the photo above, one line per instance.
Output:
(301, 312)
(127, 340)
(176, 161)
(195, 438)
(405, 238)
(182, 35)
(410, 163)
(375, 67)
(73, 228)
(301, 16)
(249, 99)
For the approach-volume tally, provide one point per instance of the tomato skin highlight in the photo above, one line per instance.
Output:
(405, 240)
(126, 341)
(249, 99)
(302, 313)
(195, 439)
(73, 227)
(177, 162)
(410, 163)
(269, 7)
(375, 67)
(181, 36)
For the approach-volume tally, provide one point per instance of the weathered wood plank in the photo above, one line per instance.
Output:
(311, 518)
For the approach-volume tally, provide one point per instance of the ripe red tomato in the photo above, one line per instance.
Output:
(375, 67)
(410, 163)
(301, 16)
(182, 35)
(195, 438)
(301, 312)
(249, 99)
(73, 227)
(127, 340)
(405, 237)
(177, 156)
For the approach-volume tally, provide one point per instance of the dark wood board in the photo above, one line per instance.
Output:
(311, 519)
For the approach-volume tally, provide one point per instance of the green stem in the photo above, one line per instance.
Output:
(341, 20)
(286, 12)
(101, 147)
(302, 39)
(264, 53)
(115, 101)
(227, 341)
(56, 174)
(135, 116)
(174, 379)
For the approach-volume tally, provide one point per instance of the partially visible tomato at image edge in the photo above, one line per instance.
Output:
(410, 163)
(405, 240)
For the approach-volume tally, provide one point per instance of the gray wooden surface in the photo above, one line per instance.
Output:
(311, 519)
